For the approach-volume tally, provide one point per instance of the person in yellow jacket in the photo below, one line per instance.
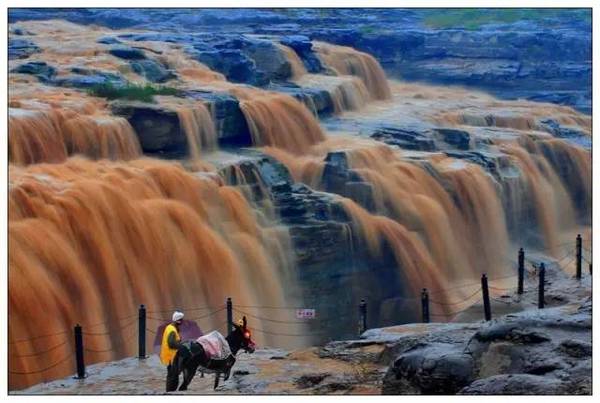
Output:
(171, 343)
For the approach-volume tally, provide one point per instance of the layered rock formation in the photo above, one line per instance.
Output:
(320, 182)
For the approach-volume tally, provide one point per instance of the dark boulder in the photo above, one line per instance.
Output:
(576, 348)
(242, 59)
(457, 138)
(43, 71)
(488, 161)
(558, 130)
(338, 178)
(157, 37)
(429, 370)
(127, 53)
(85, 81)
(309, 380)
(299, 43)
(232, 63)
(514, 384)
(317, 100)
(303, 47)
(268, 59)
(19, 31)
(408, 139)
(88, 78)
(109, 40)
(157, 128)
(21, 48)
(151, 70)
(230, 122)
(336, 171)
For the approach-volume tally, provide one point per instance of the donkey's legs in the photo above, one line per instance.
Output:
(190, 366)
(188, 374)
(230, 363)
(217, 376)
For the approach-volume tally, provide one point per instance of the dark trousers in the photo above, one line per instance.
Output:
(172, 377)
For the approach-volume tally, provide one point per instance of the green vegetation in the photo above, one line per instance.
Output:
(474, 18)
(134, 92)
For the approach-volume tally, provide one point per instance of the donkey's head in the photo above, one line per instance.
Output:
(242, 336)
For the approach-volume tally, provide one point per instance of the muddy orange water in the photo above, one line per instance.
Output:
(95, 229)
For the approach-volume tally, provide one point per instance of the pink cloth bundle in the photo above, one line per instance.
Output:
(215, 345)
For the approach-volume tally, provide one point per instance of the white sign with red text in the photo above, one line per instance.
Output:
(306, 313)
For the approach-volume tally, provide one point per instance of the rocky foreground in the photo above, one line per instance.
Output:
(528, 351)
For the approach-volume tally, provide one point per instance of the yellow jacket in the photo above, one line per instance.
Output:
(166, 353)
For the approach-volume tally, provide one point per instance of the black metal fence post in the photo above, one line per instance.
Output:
(487, 310)
(521, 270)
(542, 277)
(362, 310)
(79, 352)
(229, 316)
(142, 332)
(578, 257)
(425, 305)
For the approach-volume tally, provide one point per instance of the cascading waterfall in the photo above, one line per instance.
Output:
(197, 122)
(42, 133)
(348, 61)
(278, 120)
(140, 230)
(554, 209)
(296, 64)
(120, 226)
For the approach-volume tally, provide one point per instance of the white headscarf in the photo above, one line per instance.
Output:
(177, 316)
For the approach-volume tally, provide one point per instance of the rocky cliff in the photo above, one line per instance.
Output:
(319, 181)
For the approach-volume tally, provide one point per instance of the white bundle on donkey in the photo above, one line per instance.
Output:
(215, 345)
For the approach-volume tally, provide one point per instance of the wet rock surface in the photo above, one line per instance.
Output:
(158, 128)
(21, 48)
(321, 233)
(230, 123)
(527, 352)
(151, 70)
(127, 53)
(43, 71)
(88, 78)
(404, 138)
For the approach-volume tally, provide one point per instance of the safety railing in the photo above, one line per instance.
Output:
(446, 310)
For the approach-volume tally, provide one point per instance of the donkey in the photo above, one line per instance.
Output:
(193, 355)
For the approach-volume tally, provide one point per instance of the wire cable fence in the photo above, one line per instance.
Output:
(447, 309)
(457, 302)
(214, 311)
(273, 333)
(450, 314)
(268, 319)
